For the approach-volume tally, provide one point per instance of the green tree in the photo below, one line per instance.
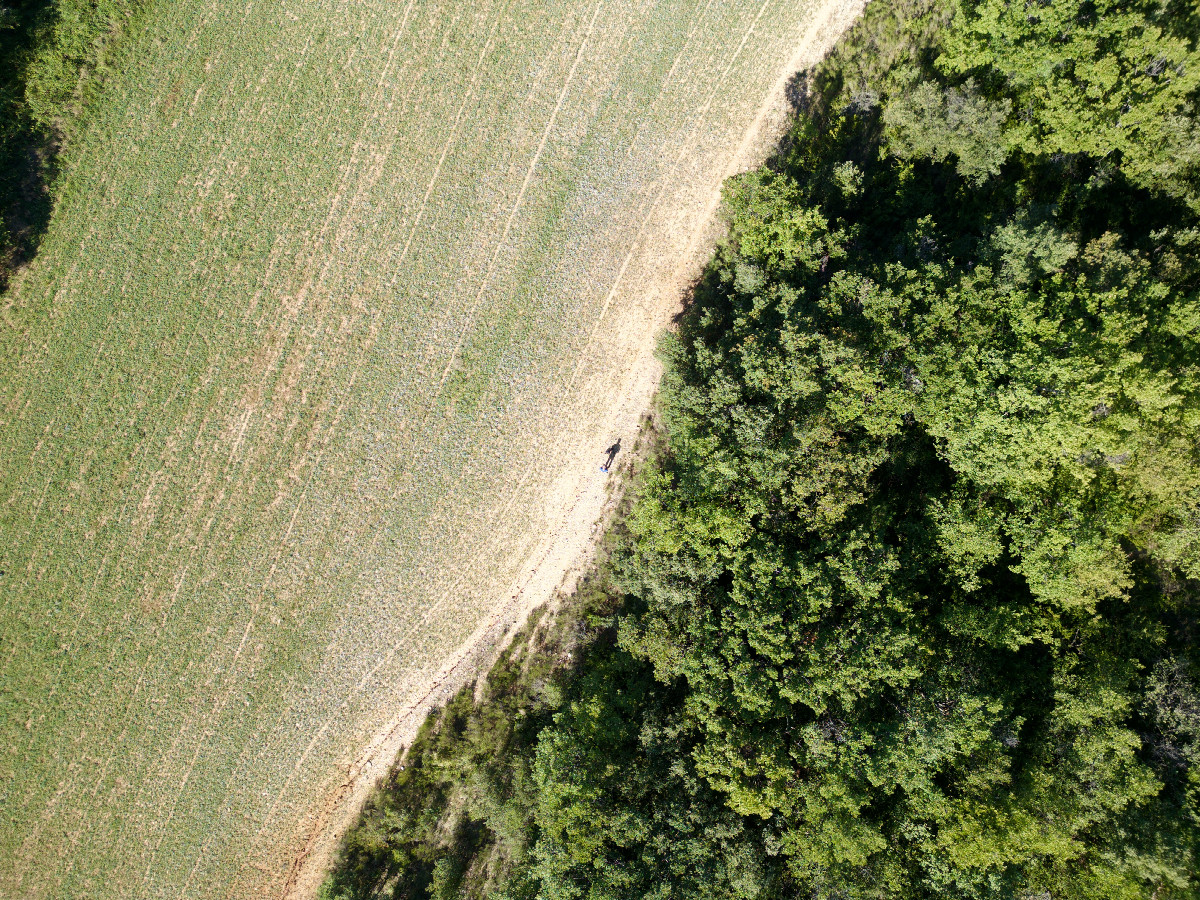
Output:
(926, 122)
(1096, 77)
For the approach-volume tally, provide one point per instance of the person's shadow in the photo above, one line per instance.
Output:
(612, 454)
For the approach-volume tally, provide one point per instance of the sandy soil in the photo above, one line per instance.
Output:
(582, 500)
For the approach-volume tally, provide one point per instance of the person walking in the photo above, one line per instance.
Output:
(612, 454)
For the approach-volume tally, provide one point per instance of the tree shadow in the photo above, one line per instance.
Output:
(799, 92)
(26, 203)
(28, 152)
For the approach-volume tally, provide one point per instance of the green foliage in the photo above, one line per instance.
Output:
(953, 428)
(1095, 77)
(76, 44)
(929, 123)
(618, 815)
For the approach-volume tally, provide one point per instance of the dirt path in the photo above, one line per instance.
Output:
(582, 501)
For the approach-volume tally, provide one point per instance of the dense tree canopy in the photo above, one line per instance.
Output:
(1094, 77)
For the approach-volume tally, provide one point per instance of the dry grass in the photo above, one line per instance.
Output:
(338, 295)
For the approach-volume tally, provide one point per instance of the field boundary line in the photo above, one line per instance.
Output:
(309, 866)
(653, 205)
(514, 492)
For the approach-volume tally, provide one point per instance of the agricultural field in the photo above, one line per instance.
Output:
(341, 303)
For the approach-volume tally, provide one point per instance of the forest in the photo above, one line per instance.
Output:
(904, 602)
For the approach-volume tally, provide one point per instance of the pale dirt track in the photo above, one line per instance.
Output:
(581, 500)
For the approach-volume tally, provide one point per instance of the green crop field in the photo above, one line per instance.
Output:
(336, 292)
